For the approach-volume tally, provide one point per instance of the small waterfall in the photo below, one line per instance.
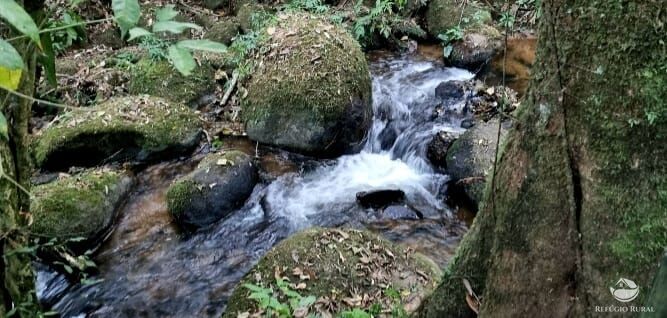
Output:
(163, 274)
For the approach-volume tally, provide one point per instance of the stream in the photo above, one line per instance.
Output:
(149, 269)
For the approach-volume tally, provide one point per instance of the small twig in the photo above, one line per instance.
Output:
(228, 93)
(41, 101)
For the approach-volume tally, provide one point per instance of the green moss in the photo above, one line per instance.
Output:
(584, 182)
(323, 70)
(252, 16)
(339, 264)
(160, 79)
(150, 123)
(180, 195)
(181, 192)
(76, 206)
(224, 31)
(443, 15)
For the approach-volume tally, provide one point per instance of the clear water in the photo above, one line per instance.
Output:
(148, 269)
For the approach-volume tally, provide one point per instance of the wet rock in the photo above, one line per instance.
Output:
(219, 184)
(311, 101)
(470, 158)
(450, 90)
(400, 212)
(467, 123)
(437, 148)
(224, 30)
(79, 206)
(378, 199)
(139, 128)
(158, 78)
(477, 48)
(333, 264)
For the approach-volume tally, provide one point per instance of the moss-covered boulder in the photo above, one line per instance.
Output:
(480, 39)
(159, 78)
(342, 268)
(224, 30)
(470, 158)
(140, 128)
(79, 206)
(220, 184)
(443, 15)
(311, 92)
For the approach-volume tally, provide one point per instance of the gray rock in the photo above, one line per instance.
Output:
(449, 90)
(470, 158)
(220, 184)
(400, 212)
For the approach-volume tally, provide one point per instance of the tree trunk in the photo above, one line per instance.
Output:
(581, 199)
(18, 288)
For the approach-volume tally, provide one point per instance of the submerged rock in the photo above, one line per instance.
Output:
(450, 90)
(347, 268)
(311, 92)
(400, 212)
(437, 148)
(82, 205)
(140, 128)
(220, 183)
(470, 158)
(380, 198)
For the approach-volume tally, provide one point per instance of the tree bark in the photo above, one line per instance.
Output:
(581, 199)
(18, 288)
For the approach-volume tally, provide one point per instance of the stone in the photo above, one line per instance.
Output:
(131, 128)
(312, 101)
(220, 184)
(377, 199)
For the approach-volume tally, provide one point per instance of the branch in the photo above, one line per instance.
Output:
(41, 101)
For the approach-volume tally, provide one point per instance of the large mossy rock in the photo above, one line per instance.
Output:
(470, 158)
(220, 183)
(341, 266)
(140, 128)
(443, 15)
(160, 79)
(480, 40)
(79, 206)
(311, 91)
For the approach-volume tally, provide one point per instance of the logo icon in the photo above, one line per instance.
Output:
(625, 290)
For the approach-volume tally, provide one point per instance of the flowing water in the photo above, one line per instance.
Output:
(149, 269)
